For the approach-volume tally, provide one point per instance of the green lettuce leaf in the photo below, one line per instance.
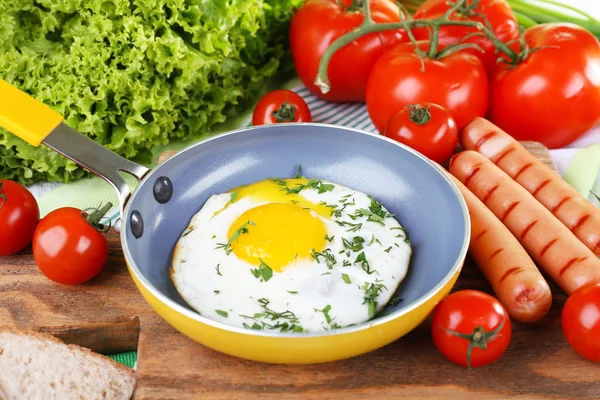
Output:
(135, 74)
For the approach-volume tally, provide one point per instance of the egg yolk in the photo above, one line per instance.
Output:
(277, 191)
(279, 234)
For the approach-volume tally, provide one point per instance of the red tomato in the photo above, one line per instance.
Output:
(19, 215)
(498, 12)
(553, 96)
(67, 248)
(281, 106)
(456, 82)
(470, 321)
(318, 23)
(427, 128)
(581, 321)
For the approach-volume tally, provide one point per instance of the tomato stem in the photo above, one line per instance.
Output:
(419, 114)
(2, 197)
(96, 215)
(285, 113)
(478, 338)
(369, 26)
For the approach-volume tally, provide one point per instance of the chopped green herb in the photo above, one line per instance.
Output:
(346, 263)
(378, 242)
(362, 259)
(316, 184)
(327, 254)
(234, 196)
(214, 236)
(292, 292)
(396, 244)
(328, 238)
(325, 312)
(278, 181)
(388, 249)
(217, 291)
(254, 326)
(353, 227)
(326, 273)
(299, 172)
(263, 271)
(217, 268)
(187, 232)
(346, 278)
(372, 290)
(242, 230)
(222, 313)
(355, 245)
(294, 201)
(372, 240)
(395, 300)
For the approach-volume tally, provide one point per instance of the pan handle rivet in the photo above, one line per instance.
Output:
(137, 224)
(163, 189)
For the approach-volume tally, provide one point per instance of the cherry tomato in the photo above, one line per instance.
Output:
(553, 96)
(318, 23)
(68, 246)
(471, 328)
(497, 12)
(397, 80)
(427, 128)
(281, 106)
(19, 215)
(581, 321)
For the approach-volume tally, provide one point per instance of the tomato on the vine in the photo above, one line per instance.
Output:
(427, 128)
(552, 94)
(281, 106)
(19, 215)
(401, 77)
(69, 245)
(318, 23)
(581, 321)
(471, 328)
(496, 14)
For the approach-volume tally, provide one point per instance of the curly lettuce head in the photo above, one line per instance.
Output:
(133, 74)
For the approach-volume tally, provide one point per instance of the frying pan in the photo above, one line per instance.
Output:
(417, 191)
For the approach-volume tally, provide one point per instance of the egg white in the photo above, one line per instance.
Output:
(310, 296)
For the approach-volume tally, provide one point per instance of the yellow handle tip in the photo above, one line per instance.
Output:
(24, 116)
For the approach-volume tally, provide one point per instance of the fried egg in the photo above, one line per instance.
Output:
(291, 255)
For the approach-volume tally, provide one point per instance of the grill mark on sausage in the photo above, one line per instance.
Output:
(483, 139)
(569, 264)
(535, 192)
(580, 222)
(480, 235)
(510, 272)
(560, 204)
(527, 228)
(494, 254)
(506, 152)
(489, 193)
(523, 169)
(547, 246)
(471, 174)
(509, 210)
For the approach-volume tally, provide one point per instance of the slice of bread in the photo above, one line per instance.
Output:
(39, 366)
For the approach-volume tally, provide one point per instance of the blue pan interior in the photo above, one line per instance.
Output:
(404, 182)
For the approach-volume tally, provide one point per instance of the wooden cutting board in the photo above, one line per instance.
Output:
(109, 315)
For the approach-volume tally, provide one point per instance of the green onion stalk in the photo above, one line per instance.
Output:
(534, 12)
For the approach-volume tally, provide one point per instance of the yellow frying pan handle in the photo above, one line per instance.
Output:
(24, 116)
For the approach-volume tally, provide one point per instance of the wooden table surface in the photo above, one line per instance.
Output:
(108, 314)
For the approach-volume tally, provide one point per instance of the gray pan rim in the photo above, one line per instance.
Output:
(275, 335)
